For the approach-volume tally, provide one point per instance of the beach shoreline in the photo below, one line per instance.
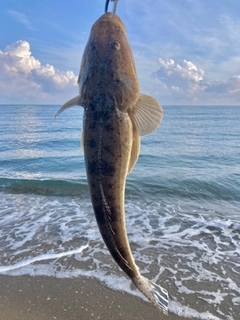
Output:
(41, 297)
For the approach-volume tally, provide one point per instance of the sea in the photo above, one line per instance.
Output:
(182, 205)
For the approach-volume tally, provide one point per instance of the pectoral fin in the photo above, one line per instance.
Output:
(146, 115)
(82, 140)
(73, 102)
(135, 150)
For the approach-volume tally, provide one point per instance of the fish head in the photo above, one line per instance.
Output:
(108, 66)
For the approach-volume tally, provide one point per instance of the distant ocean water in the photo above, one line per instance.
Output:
(182, 205)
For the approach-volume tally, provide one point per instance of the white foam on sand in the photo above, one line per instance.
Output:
(195, 255)
(43, 257)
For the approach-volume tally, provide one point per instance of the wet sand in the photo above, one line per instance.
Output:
(38, 298)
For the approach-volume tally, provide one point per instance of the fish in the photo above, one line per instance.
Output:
(115, 116)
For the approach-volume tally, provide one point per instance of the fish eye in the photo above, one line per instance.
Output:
(116, 45)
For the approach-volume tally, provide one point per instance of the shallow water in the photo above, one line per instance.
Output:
(182, 205)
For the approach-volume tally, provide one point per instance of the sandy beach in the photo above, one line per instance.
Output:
(38, 298)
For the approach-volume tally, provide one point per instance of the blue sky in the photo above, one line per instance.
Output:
(186, 51)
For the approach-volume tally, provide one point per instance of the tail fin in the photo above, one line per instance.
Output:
(155, 294)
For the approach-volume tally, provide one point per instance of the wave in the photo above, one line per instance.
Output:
(193, 249)
(148, 188)
(44, 187)
(194, 189)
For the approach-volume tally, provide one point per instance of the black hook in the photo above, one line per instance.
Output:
(106, 5)
(114, 8)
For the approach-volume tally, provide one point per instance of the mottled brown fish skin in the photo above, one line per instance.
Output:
(115, 116)
(108, 67)
(108, 131)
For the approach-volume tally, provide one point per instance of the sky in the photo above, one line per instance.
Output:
(187, 52)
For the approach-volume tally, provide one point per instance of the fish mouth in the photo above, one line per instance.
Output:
(108, 17)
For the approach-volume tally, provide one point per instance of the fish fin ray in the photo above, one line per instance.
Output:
(155, 293)
(135, 150)
(82, 140)
(146, 114)
(108, 219)
(106, 209)
(78, 79)
(76, 101)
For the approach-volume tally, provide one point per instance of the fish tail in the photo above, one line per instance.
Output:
(155, 294)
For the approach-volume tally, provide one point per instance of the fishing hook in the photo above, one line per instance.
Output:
(114, 7)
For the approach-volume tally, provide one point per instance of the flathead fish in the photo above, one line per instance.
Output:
(115, 116)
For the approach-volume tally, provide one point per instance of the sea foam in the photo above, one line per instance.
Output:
(193, 255)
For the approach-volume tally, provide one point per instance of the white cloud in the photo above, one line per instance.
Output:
(17, 58)
(22, 74)
(184, 77)
(184, 83)
(23, 78)
(51, 79)
(20, 17)
(229, 86)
